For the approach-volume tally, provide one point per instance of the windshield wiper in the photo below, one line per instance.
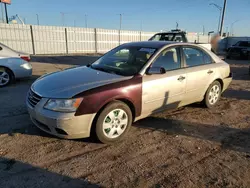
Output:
(101, 69)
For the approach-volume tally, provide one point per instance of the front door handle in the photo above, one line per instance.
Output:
(210, 72)
(181, 78)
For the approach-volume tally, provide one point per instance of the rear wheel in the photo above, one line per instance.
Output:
(213, 94)
(5, 77)
(113, 122)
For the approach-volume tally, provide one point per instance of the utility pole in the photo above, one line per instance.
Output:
(2, 12)
(232, 29)
(37, 18)
(6, 13)
(120, 28)
(120, 21)
(220, 9)
(226, 31)
(203, 30)
(223, 15)
(141, 26)
(62, 14)
(86, 20)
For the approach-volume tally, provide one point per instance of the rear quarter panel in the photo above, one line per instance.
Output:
(222, 71)
(14, 64)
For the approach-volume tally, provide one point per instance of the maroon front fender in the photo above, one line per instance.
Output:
(95, 99)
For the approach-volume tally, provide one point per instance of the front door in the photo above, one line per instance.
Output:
(164, 91)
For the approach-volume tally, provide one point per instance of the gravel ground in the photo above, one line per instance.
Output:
(188, 147)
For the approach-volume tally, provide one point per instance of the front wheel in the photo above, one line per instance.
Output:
(113, 122)
(213, 94)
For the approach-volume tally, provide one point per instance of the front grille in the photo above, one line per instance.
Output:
(33, 98)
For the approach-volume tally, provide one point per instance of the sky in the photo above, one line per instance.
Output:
(147, 15)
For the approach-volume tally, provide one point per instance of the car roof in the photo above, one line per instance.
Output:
(150, 44)
(171, 32)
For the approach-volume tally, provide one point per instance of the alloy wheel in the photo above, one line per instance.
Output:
(115, 123)
(214, 94)
(4, 78)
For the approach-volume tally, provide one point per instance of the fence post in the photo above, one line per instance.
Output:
(96, 47)
(119, 37)
(66, 41)
(32, 40)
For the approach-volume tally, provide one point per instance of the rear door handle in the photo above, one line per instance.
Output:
(210, 72)
(181, 78)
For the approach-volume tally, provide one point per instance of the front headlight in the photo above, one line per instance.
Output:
(63, 105)
(26, 66)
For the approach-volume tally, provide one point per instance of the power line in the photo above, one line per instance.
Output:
(220, 9)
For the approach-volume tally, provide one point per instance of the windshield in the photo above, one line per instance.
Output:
(167, 37)
(3, 45)
(124, 60)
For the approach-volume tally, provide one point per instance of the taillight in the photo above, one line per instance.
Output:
(26, 58)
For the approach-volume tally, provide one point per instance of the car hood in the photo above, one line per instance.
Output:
(70, 82)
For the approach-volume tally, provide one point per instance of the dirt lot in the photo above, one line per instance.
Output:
(188, 147)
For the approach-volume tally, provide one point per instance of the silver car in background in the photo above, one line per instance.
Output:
(13, 65)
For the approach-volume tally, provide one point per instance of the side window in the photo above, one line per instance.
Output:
(178, 38)
(243, 44)
(207, 59)
(156, 38)
(168, 59)
(196, 57)
(167, 37)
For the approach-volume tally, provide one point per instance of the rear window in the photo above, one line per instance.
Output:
(4, 46)
(168, 37)
(243, 44)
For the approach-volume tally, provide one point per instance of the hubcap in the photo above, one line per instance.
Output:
(214, 94)
(4, 78)
(115, 123)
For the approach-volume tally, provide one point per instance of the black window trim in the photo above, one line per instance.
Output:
(195, 47)
(169, 48)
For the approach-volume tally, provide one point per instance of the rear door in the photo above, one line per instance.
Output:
(200, 70)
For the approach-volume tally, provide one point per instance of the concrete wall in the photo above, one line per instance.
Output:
(35, 39)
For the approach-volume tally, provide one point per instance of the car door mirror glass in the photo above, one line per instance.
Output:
(156, 70)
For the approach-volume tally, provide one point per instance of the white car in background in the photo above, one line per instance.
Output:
(13, 65)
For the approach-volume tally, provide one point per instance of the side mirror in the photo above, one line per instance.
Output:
(156, 70)
(222, 57)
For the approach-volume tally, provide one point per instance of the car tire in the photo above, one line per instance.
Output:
(213, 94)
(6, 77)
(113, 122)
